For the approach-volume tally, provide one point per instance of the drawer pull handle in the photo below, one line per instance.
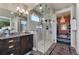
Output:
(11, 41)
(11, 46)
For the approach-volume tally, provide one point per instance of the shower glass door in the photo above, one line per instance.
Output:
(44, 36)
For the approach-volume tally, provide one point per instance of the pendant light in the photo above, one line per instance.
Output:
(62, 20)
(40, 7)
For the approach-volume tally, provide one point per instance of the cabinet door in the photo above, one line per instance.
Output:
(24, 44)
(30, 41)
(1, 47)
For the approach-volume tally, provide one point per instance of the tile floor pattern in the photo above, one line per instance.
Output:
(57, 49)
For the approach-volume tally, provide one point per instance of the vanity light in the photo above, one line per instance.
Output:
(22, 10)
(18, 8)
(26, 12)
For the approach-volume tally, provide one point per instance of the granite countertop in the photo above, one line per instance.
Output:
(14, 35)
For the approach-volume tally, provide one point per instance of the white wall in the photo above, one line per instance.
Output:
(77, 14)
(5, 13)
(54, 29)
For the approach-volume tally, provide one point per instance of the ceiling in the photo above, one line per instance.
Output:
(59, 5)
(47, 7)
(54, 6)
(12, 6)
(51, 5)
(31, 5)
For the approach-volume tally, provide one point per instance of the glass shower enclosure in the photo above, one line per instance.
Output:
(44, 29)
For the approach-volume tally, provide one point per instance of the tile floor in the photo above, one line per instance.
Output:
(44, 45)
(57, 49)
(63, 49)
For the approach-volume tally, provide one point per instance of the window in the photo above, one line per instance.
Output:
(34, 18)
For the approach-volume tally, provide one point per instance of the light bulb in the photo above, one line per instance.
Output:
(40, 7)
(26, 12)
(18, 8)
(22, 10)
(62, 20)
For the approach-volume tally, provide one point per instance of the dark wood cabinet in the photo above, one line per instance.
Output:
(16, 45)
(24, 46)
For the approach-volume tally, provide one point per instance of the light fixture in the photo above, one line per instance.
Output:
(40, 7)
(26, 12)
(21, 12)
(18, 8)
(62, 20)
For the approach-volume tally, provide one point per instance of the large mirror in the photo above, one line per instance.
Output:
(4, 22)
(23, 25)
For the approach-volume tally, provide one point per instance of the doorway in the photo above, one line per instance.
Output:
(64, 28)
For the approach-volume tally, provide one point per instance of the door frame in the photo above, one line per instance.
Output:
(71, 14)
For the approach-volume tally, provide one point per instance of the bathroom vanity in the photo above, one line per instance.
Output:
(16, 44)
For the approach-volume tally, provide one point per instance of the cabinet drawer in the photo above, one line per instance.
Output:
(11, 40)
(10, 43)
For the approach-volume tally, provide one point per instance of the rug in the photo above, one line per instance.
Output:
(62, 49)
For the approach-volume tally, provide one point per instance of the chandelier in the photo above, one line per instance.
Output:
(62, 20)
(21, 12)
